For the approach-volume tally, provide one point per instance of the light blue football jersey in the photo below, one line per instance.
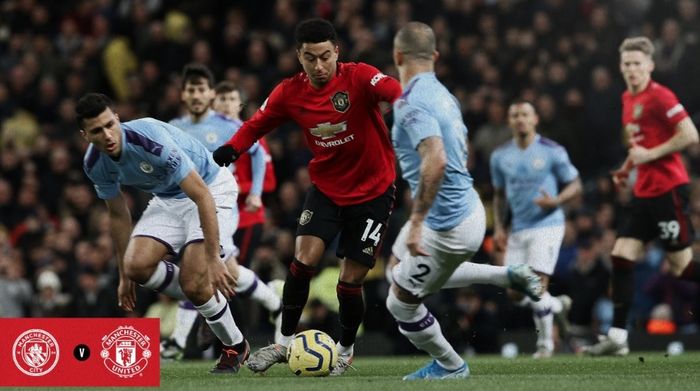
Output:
(426, 109)
(215, 129)
(525, 173)
(155, 158)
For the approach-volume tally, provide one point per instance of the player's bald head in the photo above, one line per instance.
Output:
(415, 40)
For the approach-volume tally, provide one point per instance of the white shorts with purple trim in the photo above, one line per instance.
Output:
(175, 222)
(424, 275)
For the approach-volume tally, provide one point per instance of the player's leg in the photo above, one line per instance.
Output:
(361, 239)
(641, 224)
(351, 310)
(160, 227)
(677, 235)
(318, 225)
(414, 278)
(212, 305)
(542, 253)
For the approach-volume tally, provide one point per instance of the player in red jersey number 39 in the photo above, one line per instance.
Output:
(658, 129)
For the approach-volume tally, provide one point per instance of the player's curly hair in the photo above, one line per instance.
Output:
(315, 31)
(90, 106)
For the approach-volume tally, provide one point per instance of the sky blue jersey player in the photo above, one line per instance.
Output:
(193, 201)
(447, 221)
(214, 129)
(529, 170)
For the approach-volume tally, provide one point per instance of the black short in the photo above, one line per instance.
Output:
(361, 227)
(247, 240)
(665, 217)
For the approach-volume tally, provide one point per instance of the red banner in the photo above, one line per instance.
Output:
(79, 352)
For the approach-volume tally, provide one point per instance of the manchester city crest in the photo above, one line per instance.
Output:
(146, 167)
(341, 101)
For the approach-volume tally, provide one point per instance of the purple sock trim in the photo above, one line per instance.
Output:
(246, 293)
(219, 315)
(187, 305)
(420, 325)
(169, 274)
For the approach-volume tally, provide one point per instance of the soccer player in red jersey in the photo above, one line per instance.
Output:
(658, 129)
(337, 107)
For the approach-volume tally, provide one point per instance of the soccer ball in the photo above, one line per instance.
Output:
(312, 353)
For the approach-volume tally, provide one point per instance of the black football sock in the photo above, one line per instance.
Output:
(622, 289)
(295, 294)
(352, 310)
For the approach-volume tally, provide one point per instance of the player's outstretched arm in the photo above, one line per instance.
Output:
(271, 114)
(120, 227)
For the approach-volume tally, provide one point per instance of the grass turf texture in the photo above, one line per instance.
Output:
(638, 371)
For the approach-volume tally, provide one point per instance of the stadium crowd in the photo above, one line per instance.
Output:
(56, 254)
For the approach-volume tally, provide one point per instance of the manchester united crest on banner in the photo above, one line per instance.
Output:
(125, 351)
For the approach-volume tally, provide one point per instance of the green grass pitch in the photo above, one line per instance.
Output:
(638, 371)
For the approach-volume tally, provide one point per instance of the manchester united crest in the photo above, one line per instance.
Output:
(126, 351)
(341, 101)
(305, 217)
(637, 110)
(35, 352)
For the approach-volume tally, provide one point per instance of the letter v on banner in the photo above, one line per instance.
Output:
(56, 352)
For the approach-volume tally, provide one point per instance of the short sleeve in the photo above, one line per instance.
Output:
(417, 123)
(382, 88)
(106, 185)
(564, 171)
(673, 110)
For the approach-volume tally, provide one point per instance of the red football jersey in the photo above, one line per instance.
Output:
(649, 119)
(244, 177)
(343, 126)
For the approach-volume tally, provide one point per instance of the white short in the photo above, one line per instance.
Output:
(424, 275)
(536, 247)
(175, 222)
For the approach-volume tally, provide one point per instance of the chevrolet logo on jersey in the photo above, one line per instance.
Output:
(328, 130)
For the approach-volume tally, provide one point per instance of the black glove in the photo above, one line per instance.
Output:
(225, 155)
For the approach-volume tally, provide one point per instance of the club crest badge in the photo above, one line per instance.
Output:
(35, 352)
(146, 167)
(126, 351)
(538, 163)
(637, 110)
(341, 101)
(305, 217)
(212, 137)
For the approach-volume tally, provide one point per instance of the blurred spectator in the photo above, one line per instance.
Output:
(15, 290)
(50, 302)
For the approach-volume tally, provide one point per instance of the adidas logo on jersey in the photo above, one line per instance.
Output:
(369, 251)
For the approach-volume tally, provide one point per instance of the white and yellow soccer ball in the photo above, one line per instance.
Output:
(312, 353)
